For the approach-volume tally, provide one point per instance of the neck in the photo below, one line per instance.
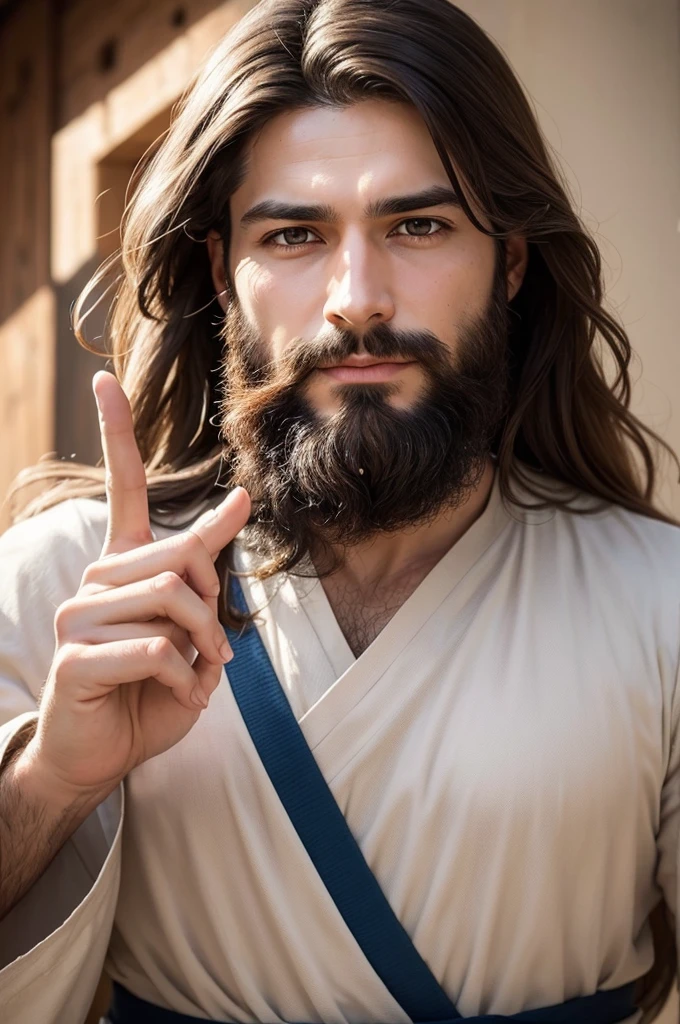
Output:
(390, 558)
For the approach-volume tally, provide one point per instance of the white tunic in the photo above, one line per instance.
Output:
(503, 752)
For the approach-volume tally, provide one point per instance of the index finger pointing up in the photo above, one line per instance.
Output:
(128, 522)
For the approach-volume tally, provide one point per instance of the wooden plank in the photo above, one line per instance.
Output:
(128, 33)
(26, 388)
(27, 306)
(113, 179)
(110, 126)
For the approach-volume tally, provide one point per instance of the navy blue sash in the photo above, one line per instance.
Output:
(602, 1008)
(322, 828)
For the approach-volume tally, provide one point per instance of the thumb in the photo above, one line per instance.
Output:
(218, 526)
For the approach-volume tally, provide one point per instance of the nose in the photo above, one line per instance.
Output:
(359, 293)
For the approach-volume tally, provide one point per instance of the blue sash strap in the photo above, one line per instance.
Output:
(321, 826)
(336, 856)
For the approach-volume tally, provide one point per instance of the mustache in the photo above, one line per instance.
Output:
(382, 342)
(303, 357)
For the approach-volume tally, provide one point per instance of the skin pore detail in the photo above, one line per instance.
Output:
(366, 257)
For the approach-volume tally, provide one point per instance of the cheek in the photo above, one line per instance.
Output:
(274, 306)
(254, 287)
(454, 289)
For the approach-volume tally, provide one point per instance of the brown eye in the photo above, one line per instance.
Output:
(290, 238)
(294, 236)
(420, 226)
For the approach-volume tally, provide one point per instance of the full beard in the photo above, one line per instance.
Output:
(321, 482)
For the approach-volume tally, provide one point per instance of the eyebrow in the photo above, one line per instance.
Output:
(275, 209)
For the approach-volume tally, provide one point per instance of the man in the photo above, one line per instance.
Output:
(439, 775)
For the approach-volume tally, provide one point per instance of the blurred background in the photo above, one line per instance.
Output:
(86, 86)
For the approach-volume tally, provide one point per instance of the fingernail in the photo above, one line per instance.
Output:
(199, 698)
(233, 494)
(226, 652)
(211, 514)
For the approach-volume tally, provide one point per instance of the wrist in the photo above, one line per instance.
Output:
(40, 786)
(37, 816)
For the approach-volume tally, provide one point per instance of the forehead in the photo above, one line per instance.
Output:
(372, 147)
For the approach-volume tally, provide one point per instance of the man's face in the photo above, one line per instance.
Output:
(425, 269)
(369, 316)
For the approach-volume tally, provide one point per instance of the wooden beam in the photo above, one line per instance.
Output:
(27, 308)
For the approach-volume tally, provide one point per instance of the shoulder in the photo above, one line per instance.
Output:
(42, 560)
(604, 540)
(54, 545)
(77, 518)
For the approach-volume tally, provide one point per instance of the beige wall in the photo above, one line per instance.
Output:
(604, 76)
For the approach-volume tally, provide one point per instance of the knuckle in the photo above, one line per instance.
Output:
(160, 648)
(168, 582)
(64, 617)
(92, 574)
(191, 542)
(63, 662)
(192, 548)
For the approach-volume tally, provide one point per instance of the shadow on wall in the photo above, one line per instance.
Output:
(76, 427)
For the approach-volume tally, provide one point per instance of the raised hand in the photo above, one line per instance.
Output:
(139, 648)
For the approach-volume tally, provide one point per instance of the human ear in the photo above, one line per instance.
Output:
(516, 261)
(216, 256)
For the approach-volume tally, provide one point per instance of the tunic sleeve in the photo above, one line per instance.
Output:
(54, 941)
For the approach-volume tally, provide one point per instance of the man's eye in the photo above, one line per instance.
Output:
(414, 227)
(420, 226)
(292, 237)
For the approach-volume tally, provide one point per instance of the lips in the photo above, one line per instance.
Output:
(358, 370)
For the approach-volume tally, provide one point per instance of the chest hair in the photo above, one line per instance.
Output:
(361, 615)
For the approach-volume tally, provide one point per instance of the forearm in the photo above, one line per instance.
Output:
(35, 821)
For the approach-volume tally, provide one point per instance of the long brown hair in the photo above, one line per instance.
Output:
(569, 357)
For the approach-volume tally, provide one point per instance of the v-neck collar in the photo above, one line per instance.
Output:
(354, 676)
(404, 625)
(450, 567)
